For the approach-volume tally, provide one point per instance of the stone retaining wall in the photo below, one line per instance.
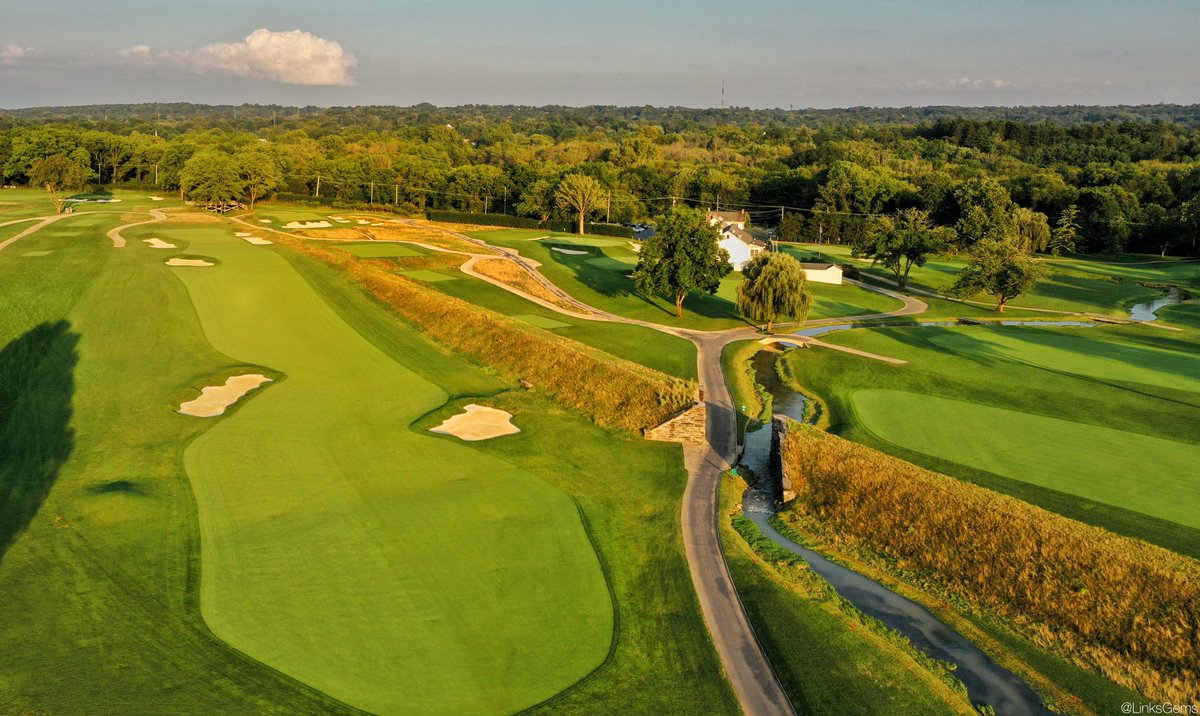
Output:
(688, 426)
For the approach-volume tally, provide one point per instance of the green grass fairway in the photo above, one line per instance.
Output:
(1181, 314)
(382, 250)
(1147, 268)
(601, 278)
(394, 570)
(1128, 386)
(1077, 354)
(1136, 472)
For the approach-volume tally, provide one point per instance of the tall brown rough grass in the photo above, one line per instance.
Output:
(507, 272)
(611, 391)
(1125, 608)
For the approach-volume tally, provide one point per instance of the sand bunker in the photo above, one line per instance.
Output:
(157, 244)
(307, 225)
(242, 234)
(635, 246)
(264, 221)
(257, 240)
(478, 423)
(215, 398)
(155, 198)
(572, 252)
(363, 221)
(189, 262)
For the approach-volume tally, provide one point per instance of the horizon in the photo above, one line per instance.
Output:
(769, 55)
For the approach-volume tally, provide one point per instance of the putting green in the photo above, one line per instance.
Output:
(382, 250)
(394, 571)
(612, 263)
(1084, 460)
(1078, 355)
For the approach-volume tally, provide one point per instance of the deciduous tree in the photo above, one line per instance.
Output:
(903, 241)
(59, 175)
(1001, 268)
(581, 194)
(682, 257)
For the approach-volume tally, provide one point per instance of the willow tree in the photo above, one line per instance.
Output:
(774, 287)
(581, 194)
(59, 175)
(682, 257)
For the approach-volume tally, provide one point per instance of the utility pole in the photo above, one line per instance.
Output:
(608, 211)
(372, 193)
(396, 195)
(722, 93)
(318, 185)
(487, 202)
(505, 200)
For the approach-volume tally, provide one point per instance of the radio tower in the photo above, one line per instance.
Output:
(722, 93)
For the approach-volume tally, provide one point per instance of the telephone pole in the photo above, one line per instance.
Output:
(396, 195)
(318, 185)
(722, 93)
(372, 193)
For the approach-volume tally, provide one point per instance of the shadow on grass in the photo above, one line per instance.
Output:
(36, 386)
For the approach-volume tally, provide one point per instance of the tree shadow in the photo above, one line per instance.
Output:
(36, 387)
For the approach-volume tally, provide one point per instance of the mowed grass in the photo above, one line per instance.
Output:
(98, 569)
(655, 349)
(1124, 469)
(601, 278)
(1094, 423)
(391, 569)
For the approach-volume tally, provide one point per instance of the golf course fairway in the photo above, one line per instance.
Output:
(1076, 458)
(396, 571)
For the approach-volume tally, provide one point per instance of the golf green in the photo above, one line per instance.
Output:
(394, 570)
(1084, 460)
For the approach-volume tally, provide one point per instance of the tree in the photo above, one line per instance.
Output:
(1002, 268)
(1105, 215)
(1066, 230)
(59, 175)
(538, 200)
(791, 227)
(212, 177)
(579, 193)
(774, 286)
(261, 174)
(1033, 229)
(682, 257)
(985, 211)
(902, 242)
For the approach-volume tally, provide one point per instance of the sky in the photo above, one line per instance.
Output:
(770, 53)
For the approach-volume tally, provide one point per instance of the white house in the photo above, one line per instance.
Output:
(728, 218)
(742, 247)
(823, 273)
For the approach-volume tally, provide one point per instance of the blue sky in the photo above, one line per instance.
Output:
(771, 54)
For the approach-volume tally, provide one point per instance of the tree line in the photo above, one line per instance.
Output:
(1126, 183)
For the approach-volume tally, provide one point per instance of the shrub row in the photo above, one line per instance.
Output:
(611, 391)
(521, 222)
(1127, 608)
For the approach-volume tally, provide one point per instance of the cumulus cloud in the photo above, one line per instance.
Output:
(11, 54)
(959, 83)
(292, 57)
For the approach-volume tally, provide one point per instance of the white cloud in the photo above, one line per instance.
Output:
(292, 57)
(959, 83)
(11, 54)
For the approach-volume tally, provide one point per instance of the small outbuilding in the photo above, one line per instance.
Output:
(823, 273)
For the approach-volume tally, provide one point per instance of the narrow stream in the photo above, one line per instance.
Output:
(1144, 312)
(987, 682)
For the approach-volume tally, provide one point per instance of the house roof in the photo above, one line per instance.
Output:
(817, 267)
(729, 217)
(744, 236)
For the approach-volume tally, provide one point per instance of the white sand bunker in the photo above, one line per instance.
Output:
(242, 234)
(155, 198)
(264, 221)
(157, 244)
(189, 262)
(257, 240)
(307, 225)
(572, 252)
(362, 221)
(215, 398)
(637, 248)
(478, 423)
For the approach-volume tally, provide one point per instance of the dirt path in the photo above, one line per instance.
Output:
(118, 241)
